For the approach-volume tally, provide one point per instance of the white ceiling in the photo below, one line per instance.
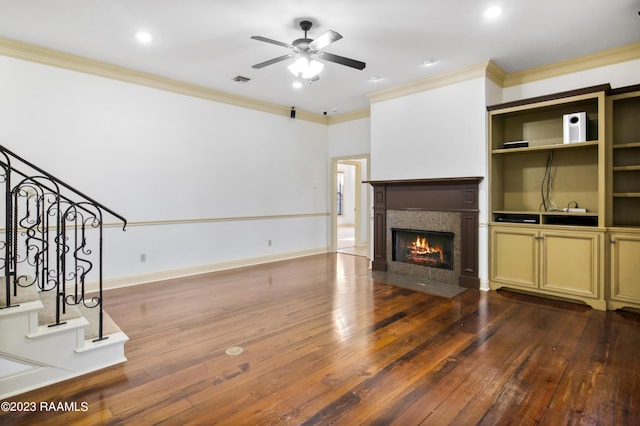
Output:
(207, 42)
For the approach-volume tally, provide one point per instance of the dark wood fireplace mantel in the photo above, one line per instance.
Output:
(446, 194)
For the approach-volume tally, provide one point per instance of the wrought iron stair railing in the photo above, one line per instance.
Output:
(53, 239)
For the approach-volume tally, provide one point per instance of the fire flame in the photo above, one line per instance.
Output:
(421, 247)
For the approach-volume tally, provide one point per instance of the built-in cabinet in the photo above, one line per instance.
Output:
(623, 133)
(554, 262)
(624, 270)
(564, 196)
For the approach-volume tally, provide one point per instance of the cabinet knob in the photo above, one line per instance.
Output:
(613, 241)
(539, 237)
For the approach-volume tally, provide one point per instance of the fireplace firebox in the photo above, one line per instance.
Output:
(426, 248)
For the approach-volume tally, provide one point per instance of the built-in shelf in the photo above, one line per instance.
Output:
(575, 145)
(626, 194)
(554, 217)
(551, 212)
(550, 252)
(626, 168)
(624, 134)
(627, 145)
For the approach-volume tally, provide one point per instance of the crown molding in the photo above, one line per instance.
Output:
(349, 116)
(446, 79)
(488, 69)
(496, 74)
(42, 55)
(503, 79)
(603, 58)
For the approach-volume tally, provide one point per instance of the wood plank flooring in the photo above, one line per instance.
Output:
(326, 344)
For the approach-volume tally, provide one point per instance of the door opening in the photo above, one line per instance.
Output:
(350, 221)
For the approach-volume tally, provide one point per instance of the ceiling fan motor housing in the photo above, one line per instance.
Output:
(302, 43)
(306, 26)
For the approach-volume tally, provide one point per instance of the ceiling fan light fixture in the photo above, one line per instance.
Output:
(305, 68)
(315, 68)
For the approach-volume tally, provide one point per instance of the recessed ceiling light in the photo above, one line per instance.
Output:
(428, 62)
(144, 37)
(492, 12)
(375, 79)
(297, 84)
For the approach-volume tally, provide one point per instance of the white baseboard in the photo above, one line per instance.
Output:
(201, 269)
(484, 285)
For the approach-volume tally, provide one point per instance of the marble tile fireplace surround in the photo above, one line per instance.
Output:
(440, 206)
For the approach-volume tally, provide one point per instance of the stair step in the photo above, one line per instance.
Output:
(36, 352)
(48, 330)
(24, 294)
(111, 339)
(24, 314)
(22, 308)
(94, 356)
(92, 314)
(48, 314)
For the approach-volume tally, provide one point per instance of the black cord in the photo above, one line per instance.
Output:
(545, 187)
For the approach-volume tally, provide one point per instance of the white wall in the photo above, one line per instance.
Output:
(432, 134)
(351, 138)
(156, 156)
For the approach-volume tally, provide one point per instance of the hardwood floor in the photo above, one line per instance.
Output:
(325, 344)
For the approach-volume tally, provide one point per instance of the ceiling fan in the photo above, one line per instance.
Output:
(308, 50)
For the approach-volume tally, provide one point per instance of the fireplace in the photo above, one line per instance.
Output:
(439, 208)
(433, 249)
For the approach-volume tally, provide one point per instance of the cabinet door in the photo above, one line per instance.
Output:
(514, 257)
(571, 262)
(625, 267)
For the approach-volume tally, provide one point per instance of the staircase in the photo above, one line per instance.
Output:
(52, 325)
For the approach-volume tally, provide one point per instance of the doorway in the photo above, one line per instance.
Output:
(350, 215)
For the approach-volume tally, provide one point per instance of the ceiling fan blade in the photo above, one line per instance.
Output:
(269, 40)
(324, 40)
(342, 60)
(273, 61)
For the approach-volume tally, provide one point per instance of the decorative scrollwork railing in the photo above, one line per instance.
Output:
(53, 239)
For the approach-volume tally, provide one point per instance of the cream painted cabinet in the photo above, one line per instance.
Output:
(514, 257)
(572, 263)
(623, 242)
(624, 270)
(554, 262)
(564, 195)
(548, 195)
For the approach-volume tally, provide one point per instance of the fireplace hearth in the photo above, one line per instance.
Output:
(433, 249)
